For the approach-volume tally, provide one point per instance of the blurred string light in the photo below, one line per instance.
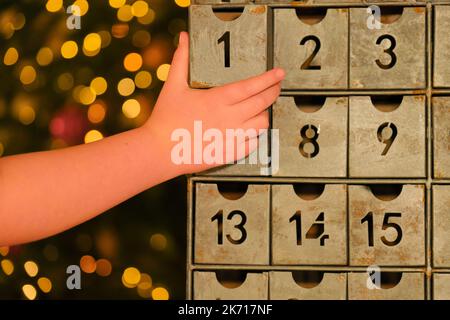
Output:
(7, 266)
(160, 293)
(158, 242)
(131, 108)
(11, 56)
(83, 5)
(163, 72)
(31, 268)
(132, 62)
(183, 3)
(131, 277)
(29, 291)
(44, 284)
(28, 75)
(96, 112)
(126, 87)
(92, 136)
(44, 57)
(69, 49)
(103, 267)
(143, 79)
(54, 5)
(144, 288)
(4, 251)
(88, 264)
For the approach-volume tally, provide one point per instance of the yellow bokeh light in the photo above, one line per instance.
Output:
(104, 267)
(158, 242)
(7, 267)
(148, 18)
(29, 291)
(92, 42)
(44, 57)
(144, 287)
(131, 108)
(26, 114)
(92, 136)
(160, 293)
(183, 3)
(99, 85)
(3, 250)
(143, 79)
(28, 75)
(83, 5)
(31, 268)
(87, 96)
(87, 263)
(125, 13)
(126, 87)
(69, 49)
(96, 113)
(117, 3)
(139, 8)
(132, 62)
(106, 38)
(45, 284)
(131, 276)
(19, 21)
(65, 81)
(141, 38)
(11, 56)
(54, 5)
(163, 72)
(2, 149)
(120, 30)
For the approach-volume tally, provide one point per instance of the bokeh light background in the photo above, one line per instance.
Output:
(61, 87)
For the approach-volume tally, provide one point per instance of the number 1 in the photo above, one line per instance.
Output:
(226, 46)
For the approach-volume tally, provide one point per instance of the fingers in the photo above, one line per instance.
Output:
(179, 69)
(259, 122)
(255, 105)
(244, 89)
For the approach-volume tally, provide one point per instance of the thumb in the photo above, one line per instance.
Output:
(179, 69)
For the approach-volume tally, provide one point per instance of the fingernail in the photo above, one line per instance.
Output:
(279, 73)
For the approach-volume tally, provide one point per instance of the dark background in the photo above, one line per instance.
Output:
(122, 235)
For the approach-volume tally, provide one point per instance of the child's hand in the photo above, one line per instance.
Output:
(240, 105)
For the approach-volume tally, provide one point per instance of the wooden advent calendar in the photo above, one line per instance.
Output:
(364, 153)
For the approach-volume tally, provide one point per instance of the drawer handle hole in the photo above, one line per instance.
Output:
(307, 279)
(390, 14)
(386, 192)
(309, 191)
(232, 190)
(386, 103)
(310, 104)
(231, 279)
(228, 14)
(389, 280)
(311, 16)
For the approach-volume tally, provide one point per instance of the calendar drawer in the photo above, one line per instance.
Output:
(311, 45)
(312, 136)
(441, 137)
(441, 74)
(230, 285)
(226, 43)
(387, 225)
(441, 226)
(387, 136)
(441, 286)
(307, 285)
(231, 223)
(392, 57)
(392, 286)
(309, 224)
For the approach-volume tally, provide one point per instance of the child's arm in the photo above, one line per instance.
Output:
(44, 193)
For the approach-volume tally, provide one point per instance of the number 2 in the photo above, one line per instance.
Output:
(307, 64)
